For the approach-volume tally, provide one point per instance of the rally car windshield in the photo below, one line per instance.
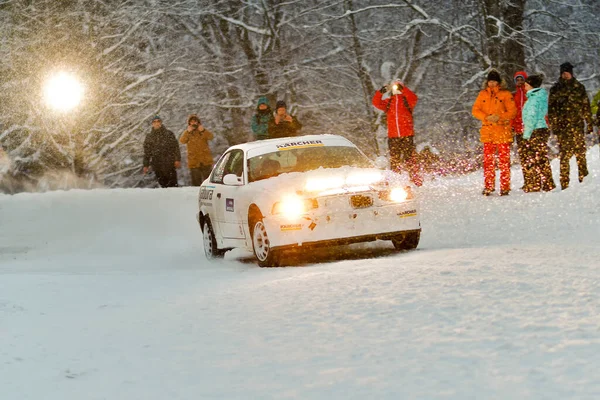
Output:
(305, 159)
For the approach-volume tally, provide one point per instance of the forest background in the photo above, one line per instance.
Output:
(325, 58)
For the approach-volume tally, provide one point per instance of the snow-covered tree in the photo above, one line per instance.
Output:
(325, 58)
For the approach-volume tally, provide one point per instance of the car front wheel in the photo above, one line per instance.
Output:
(407, 241)
(266, 256)
(210, 242)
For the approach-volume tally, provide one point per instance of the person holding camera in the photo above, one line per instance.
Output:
(398, 107)
(161, 153)
(200, 159)
(283, 124)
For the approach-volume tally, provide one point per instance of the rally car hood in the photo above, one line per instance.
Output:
(322, 182)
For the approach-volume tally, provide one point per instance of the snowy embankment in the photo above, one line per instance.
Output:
(105, 294)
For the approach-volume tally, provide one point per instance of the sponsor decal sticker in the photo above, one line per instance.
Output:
(407, 213)
(206, 194)
(291, 227)
(300, 144)
(228, 204)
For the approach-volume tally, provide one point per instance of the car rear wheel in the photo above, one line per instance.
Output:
(407, 241)
(266, 256)
(210, 242)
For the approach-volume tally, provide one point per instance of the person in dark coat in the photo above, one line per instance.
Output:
(162, 154)
(260, 120)
(283, 124)
(596, 108)
(568, 111)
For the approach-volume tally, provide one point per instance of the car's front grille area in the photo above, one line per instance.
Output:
(361, 201)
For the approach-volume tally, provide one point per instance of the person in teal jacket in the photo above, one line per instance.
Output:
(260, 120)
(536, 135)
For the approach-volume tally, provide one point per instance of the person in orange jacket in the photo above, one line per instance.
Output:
(399, 108)
(495, 108)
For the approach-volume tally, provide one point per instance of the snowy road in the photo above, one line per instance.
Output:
(107, 295)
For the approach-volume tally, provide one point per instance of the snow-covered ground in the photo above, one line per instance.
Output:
(106, 294)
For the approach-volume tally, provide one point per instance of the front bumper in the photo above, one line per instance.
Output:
(336, 224)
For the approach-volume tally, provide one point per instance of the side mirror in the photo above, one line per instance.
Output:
(232, 180)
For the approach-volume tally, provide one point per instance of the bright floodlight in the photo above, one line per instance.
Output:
(63, 92)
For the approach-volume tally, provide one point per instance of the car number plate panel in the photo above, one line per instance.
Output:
(361, 201)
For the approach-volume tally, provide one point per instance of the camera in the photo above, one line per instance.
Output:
(195, 126)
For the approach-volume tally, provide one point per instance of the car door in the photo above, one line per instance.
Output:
(227, 199)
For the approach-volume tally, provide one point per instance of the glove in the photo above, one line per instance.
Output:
(383, 89)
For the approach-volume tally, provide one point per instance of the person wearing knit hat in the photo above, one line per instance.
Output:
(535, 81)
(495, 108)
(280, 104)
(260, 120)
(536, 135)
(569, 113)
(517, 123)
(283, 124)
(494, 75)
(199, 156)
(162, 154)
(566, 67)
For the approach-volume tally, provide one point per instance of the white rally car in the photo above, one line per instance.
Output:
(273, 195)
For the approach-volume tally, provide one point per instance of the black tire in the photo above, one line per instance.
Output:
(266, 256)
(210, 242)
(407, 241)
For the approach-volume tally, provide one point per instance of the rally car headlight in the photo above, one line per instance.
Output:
(397, 194)
(294, 206)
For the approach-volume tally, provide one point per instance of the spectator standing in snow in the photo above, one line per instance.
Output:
(261, 119)
(517, 122)
(596, 108)
(162, 154)
(495, 108)
(535, 136)
(200, 159)
(399, 107)
(569, 111)
(283, 124)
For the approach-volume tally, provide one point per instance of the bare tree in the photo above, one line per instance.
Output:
(215, 57)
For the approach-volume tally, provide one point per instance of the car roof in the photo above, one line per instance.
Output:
(260, 147)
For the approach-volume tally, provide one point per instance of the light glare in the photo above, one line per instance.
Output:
(398, 195)
(319, 184)
(364, 178)
(290, 206)
(63, 92)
